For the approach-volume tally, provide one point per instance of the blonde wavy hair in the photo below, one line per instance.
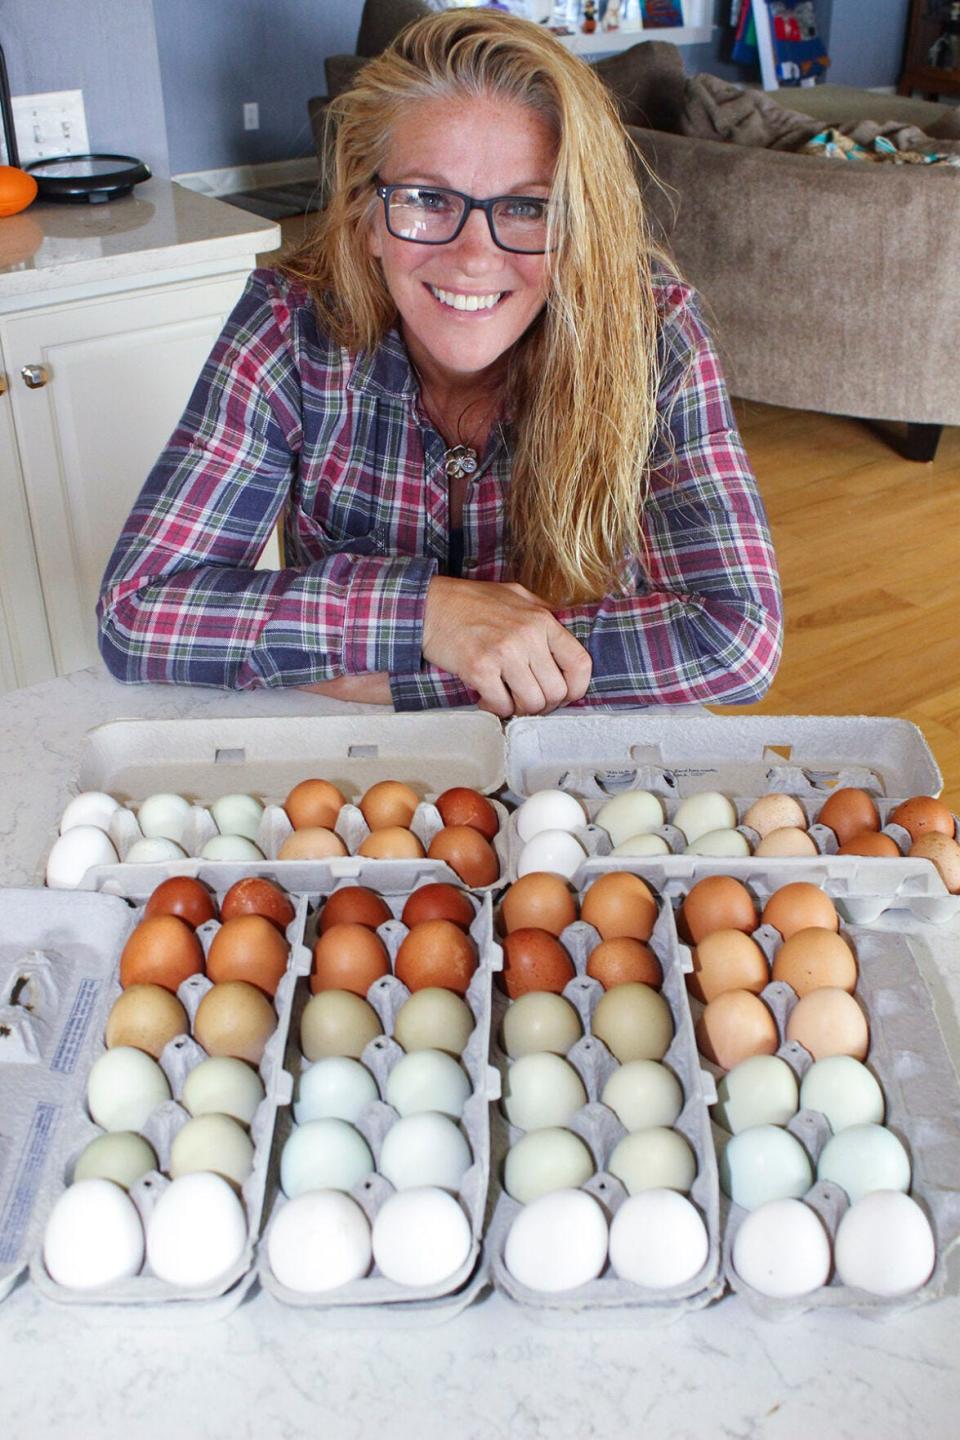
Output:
(582, 382)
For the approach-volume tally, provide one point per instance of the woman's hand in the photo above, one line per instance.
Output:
(505, 643)
(372, 689)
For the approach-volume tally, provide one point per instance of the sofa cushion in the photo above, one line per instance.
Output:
(842, 105)
(383, 19)
(341, 71)
(647, 82)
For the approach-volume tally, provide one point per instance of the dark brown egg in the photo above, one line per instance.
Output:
(849, 812)
(250, 948)
(541, 901)
(438, 902)
(462, 806)
(184, 897)
(436, 953)
(253, 896)
(354, 905)
(921, 815)
(798, 906)
(870, 842)
(314, 804)
(717, 902)
(467, 853)
(161, 951)
(534, 960)
(620, 904)
(389, 803)
(348, 957)
(624, 961)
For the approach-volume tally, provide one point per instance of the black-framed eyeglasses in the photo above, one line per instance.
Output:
(431, 215)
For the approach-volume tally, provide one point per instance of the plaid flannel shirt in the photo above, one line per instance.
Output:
(283, 423)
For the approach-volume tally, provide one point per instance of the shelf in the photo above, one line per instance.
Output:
(605, 42)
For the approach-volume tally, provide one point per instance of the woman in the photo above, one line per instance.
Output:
(491, 420)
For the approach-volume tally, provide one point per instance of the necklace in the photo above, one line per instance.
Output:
(459, 461)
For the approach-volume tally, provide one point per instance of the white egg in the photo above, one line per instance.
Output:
(212, 1142)
(323, 1155)
(428, 1080)
(552, 850)
(120, 1156)
(93, 1236)
(863, 1158)
(764, 1163)
(546, 1160)
(221, 1085)
(549, 810)
(843, 1090)
(425, 1149)
(722, 844)
(542, 1090)
(654, 1159)
(782, 1250)
(319, 1241)
(557, 1242)
(761, 1090)
(421, 1237)
(76, 852)
(123, 1087)
(152, 850)
(197, 1231)
(90, 807)
(164, 815)
(335, 1087)
(230, 847)
(238, 815)
(643, 1093)
(884, 1245)
(635, 812)
(698, 814)
(658, 1239)
(642, 845)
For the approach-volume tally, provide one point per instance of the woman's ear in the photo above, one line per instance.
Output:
(375, 240)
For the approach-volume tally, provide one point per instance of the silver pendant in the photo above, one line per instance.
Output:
(459, 461)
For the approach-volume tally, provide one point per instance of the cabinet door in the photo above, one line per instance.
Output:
(25, 654)
(117, 372)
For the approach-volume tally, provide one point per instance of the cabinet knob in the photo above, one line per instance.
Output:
(3, 383)
(35, 376)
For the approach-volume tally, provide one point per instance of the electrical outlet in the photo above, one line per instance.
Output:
(251, 115)
(51, 124)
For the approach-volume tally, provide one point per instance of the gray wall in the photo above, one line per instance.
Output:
(867, 49)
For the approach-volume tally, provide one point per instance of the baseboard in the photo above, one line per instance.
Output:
(234, 178)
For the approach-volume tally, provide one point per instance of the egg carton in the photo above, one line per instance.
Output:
(376, 1300)
(77, 990)
(609, 1300)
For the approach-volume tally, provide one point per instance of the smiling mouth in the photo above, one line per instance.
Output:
(456, 300)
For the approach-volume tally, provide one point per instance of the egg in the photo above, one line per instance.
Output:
(540, 1091)
(314, 804)
(884, 1245)
(74, 853)
(467, 853)
(146, 1017)
(870, 842)
(439, 901)
(222, 1085)
(253, 896)
(624, 961)
(391, 842)
(436, 953)
(121, 1156)
(318, 1242)
(462, 806)
(658, 1240)
(354, 905)
(424, 1149)
(93, 1236)
(90, 807)
(212, 1142)
(188, 899)
(775, 812)
(654, 1159)
(557, 1242)
(251, 948)
(635, 812)
(123, 1088)
(863, 1158)
(238, 815)
(782, 1250)
(236, 1019)
(764, 1163)
(620, 904)
(389, 804)
(154, 851)
(546, 1160)
(727, 960)
(720, 844)
(813, 958)
(164, 816)
(324, 1154)
(642, 845)
(334, 1088)
(798, 906)
(789, 843)
(643, 1093)
(534, 960)
(698, 814)
(434, 1019)
(540, 1021)
(921, 815)
(849, 812)
(348, 957)
(197, 1231)
(428, 1080)
(761, 1090)
(233, 848)
(829, 1022)
(556, 851)
(337, 1022)
(421, 1237)
(549, 810)
(843, 1090)
(733, 1026)
(717, 902)
(538, 901)
(634, 1022)
(944, 853)
(312, 843)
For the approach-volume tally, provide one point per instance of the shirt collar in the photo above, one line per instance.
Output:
(385, 370)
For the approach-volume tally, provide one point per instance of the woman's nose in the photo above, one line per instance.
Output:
(474, 245)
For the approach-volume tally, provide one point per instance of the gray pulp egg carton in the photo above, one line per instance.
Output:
(375, 1301)
(609, 1300)
(205, 759)
(67, 945)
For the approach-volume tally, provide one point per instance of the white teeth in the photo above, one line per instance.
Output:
(466, 302)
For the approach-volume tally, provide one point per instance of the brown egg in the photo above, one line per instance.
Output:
(775, 812)
(735, 1026)
(251, 948)
(393, 842)
(620, 904)
(461, 806)
(921, 815)
(624, 961)
(312, 843)
(253, 896)
(727, 960)
(534, 960)
(354, 905)
(146, 1017)
(389, 803)
(337, 1022)
(235, 1019)
(789, 841)
(870, 842)
(348, 957)
(944, 853)
(184, 897)
(813, 958)
(436, 953)
(798, 906)
(829, 1022)
(314, 804)
(849, 812)
(467, 853)
(438, 902)
(538, 901)
(717, 902)
(161, 951)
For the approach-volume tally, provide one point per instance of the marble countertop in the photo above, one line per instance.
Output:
(490, 1372)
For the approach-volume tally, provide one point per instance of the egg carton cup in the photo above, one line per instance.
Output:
(610, 1300)
(179, 1057)
(401, 1314)
(375, 1292)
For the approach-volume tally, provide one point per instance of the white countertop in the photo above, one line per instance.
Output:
(491, 1372)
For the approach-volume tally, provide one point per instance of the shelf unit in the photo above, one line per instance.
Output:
(606, 42)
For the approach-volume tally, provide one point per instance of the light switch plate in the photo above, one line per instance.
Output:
(50, 124)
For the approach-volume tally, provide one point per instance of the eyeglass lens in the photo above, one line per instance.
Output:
(433, 216)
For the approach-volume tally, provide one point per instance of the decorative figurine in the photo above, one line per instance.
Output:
(611, 16)
(589, 17)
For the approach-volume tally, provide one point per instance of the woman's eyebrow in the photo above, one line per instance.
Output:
(424, 177)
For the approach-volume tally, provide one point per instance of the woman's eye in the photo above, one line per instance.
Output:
(525, 210)
(433, 200)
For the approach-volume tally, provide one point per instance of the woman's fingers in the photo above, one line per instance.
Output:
(575, 662)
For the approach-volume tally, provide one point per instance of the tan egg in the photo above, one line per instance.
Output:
(314, 804)
(467, 853)
(775, 812)
(870, 842)
(436, 953)
(727, 960)
(348, 957)
(717, 902)
(735, 1026)
(389, 803)
(849, 812)
(798, 906)
(634, 1022)
(814, 958)
(534, 960)
(235, 1019)
(354, 905)
(829, 1022)
(539, 901)
(788, 842)
(944, 853)
(312, 843)
(146, 1017)
(922, 814)
(248, 947)
(161, 951)
(620, 904)
(337, 1022)
(434, 1019)
(393, 842)
(624, 961)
